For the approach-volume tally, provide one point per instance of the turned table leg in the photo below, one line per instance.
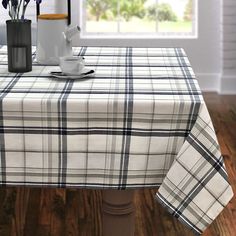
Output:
(118, 213)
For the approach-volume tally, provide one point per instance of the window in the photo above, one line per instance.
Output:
(158, 18)
(120, 18)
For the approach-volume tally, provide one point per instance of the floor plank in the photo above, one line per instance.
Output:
(32, 214)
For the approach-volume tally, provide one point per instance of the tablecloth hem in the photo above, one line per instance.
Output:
(185, 222)
(78, 186)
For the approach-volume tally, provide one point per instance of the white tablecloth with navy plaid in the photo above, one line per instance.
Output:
(141, 121)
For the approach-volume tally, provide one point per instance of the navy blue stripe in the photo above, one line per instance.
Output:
(209, 156)
(124, 125)
(127, 123)
(195, 104)
(16, 128)
(125, 132)
(177, 214)
(129, 75)
(201, 183)
(62, 131)
(195, 98)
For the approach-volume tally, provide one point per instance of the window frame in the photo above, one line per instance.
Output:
(80, 5)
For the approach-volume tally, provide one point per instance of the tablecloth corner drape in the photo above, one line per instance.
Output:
(196, 188)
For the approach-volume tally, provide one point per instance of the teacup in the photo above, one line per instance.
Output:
(71, 65)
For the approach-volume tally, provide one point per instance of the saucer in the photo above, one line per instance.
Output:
(85, 73)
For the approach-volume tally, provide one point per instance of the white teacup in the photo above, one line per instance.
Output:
(71, 65)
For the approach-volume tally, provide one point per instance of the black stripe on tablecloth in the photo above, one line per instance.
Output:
(3, 94)
(127, 123)
(87, 102)
(128, 132)
(195, 98)
(136, 54)
(62, 132)
(62, 127)
(47, 129)
(171, 209)
(217, 167)
(216, 163)
(179, 211)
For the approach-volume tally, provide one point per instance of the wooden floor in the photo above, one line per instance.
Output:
(56, 212)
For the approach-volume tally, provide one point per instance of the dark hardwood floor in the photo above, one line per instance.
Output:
(58, 212)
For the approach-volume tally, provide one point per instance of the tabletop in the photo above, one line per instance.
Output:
(141, 121)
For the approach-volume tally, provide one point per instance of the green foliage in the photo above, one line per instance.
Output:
(109, 8)
(162, 12)
(132, 8)
(188, 11)
(98, 8)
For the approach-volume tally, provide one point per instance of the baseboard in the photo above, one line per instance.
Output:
(228, 85)
(209, 82)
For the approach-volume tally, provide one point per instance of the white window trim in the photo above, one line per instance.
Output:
(126, 36)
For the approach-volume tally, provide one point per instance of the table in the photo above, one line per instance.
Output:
(140, 122)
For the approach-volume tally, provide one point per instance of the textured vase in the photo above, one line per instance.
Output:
(19, 46)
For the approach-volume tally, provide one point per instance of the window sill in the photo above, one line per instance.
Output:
(140, 36)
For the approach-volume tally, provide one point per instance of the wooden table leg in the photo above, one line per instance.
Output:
(118, 212)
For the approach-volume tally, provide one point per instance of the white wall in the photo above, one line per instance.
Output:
(228, 77)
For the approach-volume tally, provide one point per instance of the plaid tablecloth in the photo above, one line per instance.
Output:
(140, 122)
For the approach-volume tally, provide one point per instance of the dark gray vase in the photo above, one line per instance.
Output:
(19, 45)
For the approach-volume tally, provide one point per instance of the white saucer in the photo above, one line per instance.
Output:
(85, 73)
